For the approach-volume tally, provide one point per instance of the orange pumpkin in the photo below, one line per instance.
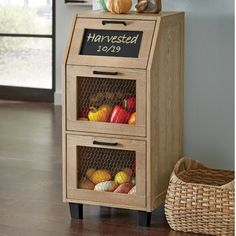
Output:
(119, 6)
(132, 119)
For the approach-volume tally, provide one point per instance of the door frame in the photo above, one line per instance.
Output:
(33, 94)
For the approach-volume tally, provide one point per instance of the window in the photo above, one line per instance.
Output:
(27, 49)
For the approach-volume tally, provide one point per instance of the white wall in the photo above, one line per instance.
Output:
(209, 76)
(209, 79)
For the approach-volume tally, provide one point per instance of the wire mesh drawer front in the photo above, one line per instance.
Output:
(106, 100)
(106, 170)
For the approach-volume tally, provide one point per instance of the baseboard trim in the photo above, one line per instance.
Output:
(26, 94)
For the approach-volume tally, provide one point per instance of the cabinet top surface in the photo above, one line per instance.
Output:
(130, 15)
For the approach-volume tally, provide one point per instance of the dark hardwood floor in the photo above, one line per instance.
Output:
(30, 182)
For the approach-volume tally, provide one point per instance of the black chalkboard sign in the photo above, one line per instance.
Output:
(115, 43)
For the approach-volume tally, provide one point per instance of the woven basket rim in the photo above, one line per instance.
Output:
(189, 162)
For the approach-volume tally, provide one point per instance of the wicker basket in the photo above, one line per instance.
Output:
(200, 199)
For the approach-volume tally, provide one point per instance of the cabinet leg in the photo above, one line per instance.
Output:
(76, 210)
(144, 218)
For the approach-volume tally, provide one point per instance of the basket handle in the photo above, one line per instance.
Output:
(182, 162)
(187, 163)
(176, 170)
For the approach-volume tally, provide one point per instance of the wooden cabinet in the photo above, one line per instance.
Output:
(153, 77)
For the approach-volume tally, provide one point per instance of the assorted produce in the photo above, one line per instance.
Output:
(124, 188)
(129, 104)
(86, 184)
(113, 111)
(119, 115)
(132, 190)
(101, 180)
(118, 6)
(106, 186)
(99, 176)
(132, 119)
(115, 6)
(84, 112)
(89, 172)
(113, 108)
(122, 177)
(101, 114)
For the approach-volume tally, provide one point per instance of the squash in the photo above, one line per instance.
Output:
(89, 172)
(122, 177)
(118, 6)
(128, 171)
(123, 188)
(106, 186)
(100, 176)
(86, 184)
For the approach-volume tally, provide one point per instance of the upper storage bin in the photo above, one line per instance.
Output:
(123, 43)
(104, 100)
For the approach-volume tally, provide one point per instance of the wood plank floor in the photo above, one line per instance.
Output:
(30, 182)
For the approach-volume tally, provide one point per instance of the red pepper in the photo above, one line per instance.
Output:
(133, 168)
(84, 112)
(129, 104)
(119, 115)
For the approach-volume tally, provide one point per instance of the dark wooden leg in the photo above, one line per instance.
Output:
(144, 218)
(76, 210)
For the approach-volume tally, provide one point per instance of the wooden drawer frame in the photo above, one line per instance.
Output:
(74, 124)
(137, 201)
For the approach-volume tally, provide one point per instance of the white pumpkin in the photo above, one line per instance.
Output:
(106, 186)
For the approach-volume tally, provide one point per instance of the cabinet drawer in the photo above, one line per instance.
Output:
(112, 156)
(95, 87)
(145, 30)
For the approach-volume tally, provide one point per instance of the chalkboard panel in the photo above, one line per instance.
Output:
(115, 43)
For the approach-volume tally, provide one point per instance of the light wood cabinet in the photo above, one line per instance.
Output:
(153, 79)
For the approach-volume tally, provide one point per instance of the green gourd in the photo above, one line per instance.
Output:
(102, 5)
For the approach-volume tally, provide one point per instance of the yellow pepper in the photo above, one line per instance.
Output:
(101, 114)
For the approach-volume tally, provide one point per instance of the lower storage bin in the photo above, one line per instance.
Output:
(106, 171)
(200, 199)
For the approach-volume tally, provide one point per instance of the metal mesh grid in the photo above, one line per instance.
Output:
(95, 92)
(101, 158)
